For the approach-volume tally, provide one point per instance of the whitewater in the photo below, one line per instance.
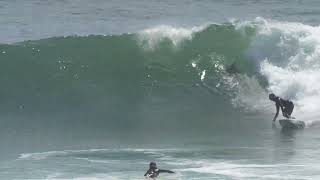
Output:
(98, 90)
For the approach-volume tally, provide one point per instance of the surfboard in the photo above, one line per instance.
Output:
(291, 124)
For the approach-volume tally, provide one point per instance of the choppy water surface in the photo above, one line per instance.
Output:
(97, 90)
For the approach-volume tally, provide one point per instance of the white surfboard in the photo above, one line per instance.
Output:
(291, 124)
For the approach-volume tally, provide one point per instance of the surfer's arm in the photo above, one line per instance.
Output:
(148, 172)
(166, 171)
(277, 113)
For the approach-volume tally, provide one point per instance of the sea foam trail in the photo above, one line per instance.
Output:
(45, 155)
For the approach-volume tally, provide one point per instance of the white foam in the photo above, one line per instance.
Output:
(41, 155)
(44, 155)
(242, 171)
(203, 75)
(153, 36)
(288, 54)
(91, 177)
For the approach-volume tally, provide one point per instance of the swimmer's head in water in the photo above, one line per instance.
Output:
(153, 165)
(272, 97)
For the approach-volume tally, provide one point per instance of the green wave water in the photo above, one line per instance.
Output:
(99, 73)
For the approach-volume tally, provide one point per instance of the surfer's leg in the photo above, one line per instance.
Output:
(290, 108)
(285, 114)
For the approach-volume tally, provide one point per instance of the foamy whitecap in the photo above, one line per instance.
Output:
(153, 36)
(288, 55)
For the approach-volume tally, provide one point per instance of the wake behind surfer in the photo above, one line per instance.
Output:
(154, 172)
(285, 105)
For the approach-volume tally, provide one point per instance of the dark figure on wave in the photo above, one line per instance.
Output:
(285, 105)
(154, 172)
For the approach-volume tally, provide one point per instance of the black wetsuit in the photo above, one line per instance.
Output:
(285, 105)
(154, 172)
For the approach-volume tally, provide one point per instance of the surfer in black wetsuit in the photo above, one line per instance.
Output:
(154, 172)
(285, 105)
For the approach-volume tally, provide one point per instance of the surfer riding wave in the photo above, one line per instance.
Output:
(285, 105)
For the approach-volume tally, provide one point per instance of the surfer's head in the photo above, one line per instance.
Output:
(153, 165)
(272, 97)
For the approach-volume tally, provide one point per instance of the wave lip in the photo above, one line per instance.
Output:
(176, 35)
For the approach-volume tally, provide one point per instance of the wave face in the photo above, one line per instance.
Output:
(165, 75)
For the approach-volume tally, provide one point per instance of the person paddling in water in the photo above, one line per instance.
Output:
(154, 172)
(285, 105)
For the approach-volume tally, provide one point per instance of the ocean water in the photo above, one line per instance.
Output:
(98, 89)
